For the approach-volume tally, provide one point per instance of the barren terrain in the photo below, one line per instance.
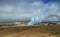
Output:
(30, 31)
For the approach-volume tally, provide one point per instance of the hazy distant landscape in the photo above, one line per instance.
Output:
(29, 18)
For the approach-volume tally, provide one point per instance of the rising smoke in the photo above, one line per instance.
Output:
(38, 10)
(47, 10)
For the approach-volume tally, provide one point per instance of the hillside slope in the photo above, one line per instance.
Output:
(30, 31)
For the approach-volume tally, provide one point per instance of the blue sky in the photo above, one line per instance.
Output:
(20, 9)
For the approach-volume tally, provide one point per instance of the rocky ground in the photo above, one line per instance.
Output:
(30, 31)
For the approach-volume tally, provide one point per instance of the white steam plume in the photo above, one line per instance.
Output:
(46, 10)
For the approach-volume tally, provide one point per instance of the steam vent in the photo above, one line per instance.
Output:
(38, 20)
(29, 18)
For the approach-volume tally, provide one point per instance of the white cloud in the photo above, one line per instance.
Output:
(26, 9)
